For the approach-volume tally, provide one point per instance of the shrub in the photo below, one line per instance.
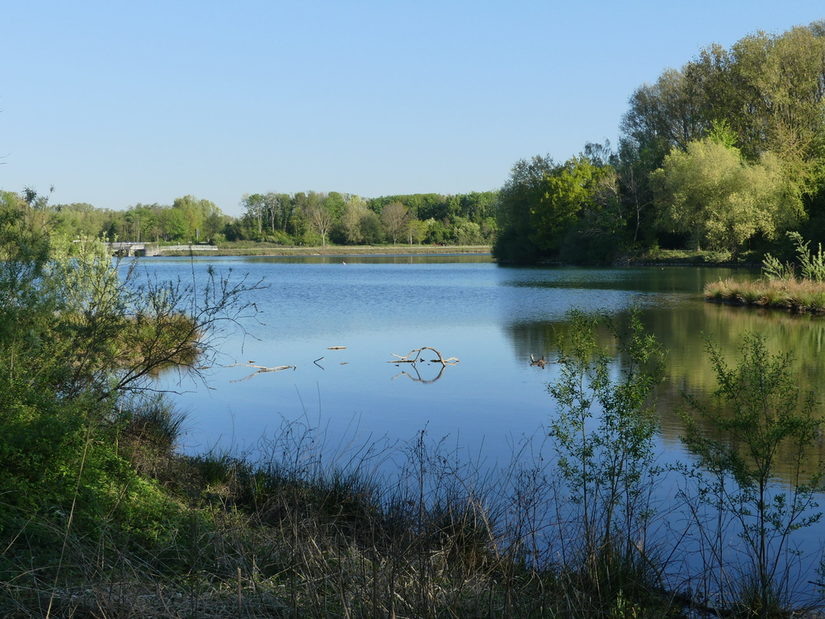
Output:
(756, 411)
(604, 435)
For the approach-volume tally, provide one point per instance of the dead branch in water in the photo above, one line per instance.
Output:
(261, 369)
(409, 358)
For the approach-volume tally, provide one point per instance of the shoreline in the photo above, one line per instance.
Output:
(344, 250)
(794, 296)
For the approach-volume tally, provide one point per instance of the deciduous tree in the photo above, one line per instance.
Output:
(710, 192)
(394, 218)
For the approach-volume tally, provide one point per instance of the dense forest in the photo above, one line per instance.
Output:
(725, 154)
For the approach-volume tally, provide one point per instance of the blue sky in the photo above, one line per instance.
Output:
(116, 103)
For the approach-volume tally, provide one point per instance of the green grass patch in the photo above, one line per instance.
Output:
(789, 294)
(684, 257)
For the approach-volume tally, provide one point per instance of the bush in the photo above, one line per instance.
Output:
(604, 435)
(757, 411)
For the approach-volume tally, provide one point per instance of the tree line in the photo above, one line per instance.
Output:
(314, 218)
(726, 153)
(304, 218)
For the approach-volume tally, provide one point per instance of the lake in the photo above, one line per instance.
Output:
(491, 318)
(340, 321)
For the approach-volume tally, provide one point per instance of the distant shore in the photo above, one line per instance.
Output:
(264, 249)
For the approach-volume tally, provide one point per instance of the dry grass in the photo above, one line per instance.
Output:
(277, 540)
(792, 294)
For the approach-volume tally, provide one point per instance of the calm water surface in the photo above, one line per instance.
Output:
(491, 318)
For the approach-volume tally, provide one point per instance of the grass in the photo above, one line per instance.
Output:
(791, 294)
(295, 535)
(685, 257)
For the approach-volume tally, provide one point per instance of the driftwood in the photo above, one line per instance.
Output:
(409, 358)
(414, 356)
(336, 347)
(261, 369)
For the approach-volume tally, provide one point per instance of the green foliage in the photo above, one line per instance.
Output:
(721, 133)
(395, 219)
(811, 265)
(349, 224)
(370, 228)
(756, 412)
(314, 218)
(774, 269)
(566, 192)
(711, 193)
(544, 204)
(763, 96)
(76, 335)
(604, 435)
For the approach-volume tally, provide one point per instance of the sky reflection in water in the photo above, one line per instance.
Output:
(493, 319)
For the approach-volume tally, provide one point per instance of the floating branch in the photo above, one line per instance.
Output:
(336, 347)
(261, 369)
(318, 364)
(409, 358)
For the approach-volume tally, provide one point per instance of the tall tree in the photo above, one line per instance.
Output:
(710, 192)
(395, 218)
(319, 215)
(254, 209)
(523, 189)
(354, 211)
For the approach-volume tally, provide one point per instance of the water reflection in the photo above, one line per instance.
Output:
(414, 360)
(492, 318)
(686, 329)
(478, 311)
(660, 280)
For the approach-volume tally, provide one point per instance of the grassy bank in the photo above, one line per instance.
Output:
(687, 257)
(249, 248)
(797, 285)
(295, 536)
(793, 295)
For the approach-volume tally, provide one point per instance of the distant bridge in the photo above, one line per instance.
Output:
(122, 248)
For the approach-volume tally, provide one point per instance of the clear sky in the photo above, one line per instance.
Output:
(116, 103)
